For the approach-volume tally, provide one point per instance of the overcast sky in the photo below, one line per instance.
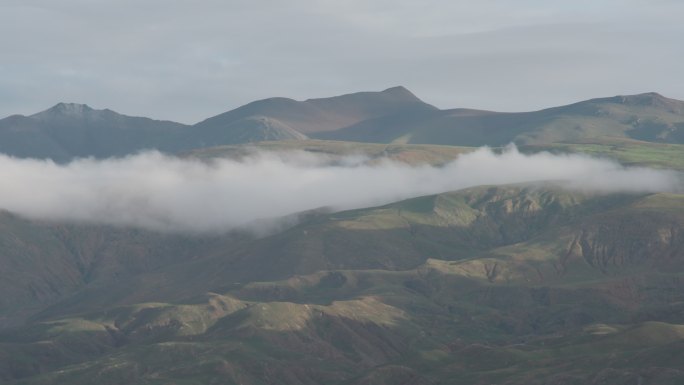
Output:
(187, 60)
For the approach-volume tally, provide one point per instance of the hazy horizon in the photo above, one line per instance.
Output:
(176, 60)
(100, 108)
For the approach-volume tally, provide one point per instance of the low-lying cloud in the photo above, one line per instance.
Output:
(159, 192)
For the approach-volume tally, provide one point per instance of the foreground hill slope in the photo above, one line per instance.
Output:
(43, 262)
(522, 284)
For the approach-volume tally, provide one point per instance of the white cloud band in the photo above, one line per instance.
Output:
(158, 192)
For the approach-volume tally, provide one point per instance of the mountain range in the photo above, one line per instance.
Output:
(395, 115)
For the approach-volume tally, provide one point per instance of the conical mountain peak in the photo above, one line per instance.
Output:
(71, 110)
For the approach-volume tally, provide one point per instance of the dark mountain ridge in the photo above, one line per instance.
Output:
(70, 130)
(649, 117)
(325, 114)
(395, 115)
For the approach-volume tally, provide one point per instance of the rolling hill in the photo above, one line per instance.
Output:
(511, 284)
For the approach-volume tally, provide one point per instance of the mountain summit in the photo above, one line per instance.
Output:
(324, 114)
(394, 115)
(401, 92)
(69, 130)
(73, 110)
(650, 99)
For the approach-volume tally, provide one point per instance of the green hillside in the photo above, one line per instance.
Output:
(522, 284)
(413, 154)
(626, 151)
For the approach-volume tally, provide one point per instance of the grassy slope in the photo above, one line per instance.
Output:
(412, 154)
(453, 318)
(625, 151)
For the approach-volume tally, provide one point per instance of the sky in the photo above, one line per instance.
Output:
(188, 60)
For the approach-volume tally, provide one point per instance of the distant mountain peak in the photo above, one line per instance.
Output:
(396, 89)
(400, 91)
(649, 99)
(645, 99)
(72, 110)
(397, 93)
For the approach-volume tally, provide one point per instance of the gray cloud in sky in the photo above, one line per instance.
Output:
(187, 60)
(158, 192)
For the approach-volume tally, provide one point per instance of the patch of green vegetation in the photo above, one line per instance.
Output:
(414, 154)
(627, 152)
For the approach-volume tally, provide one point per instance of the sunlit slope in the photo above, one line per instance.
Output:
(488, 231)
(510, 284)
(424, 325)
(411, 154)
(626, 151)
